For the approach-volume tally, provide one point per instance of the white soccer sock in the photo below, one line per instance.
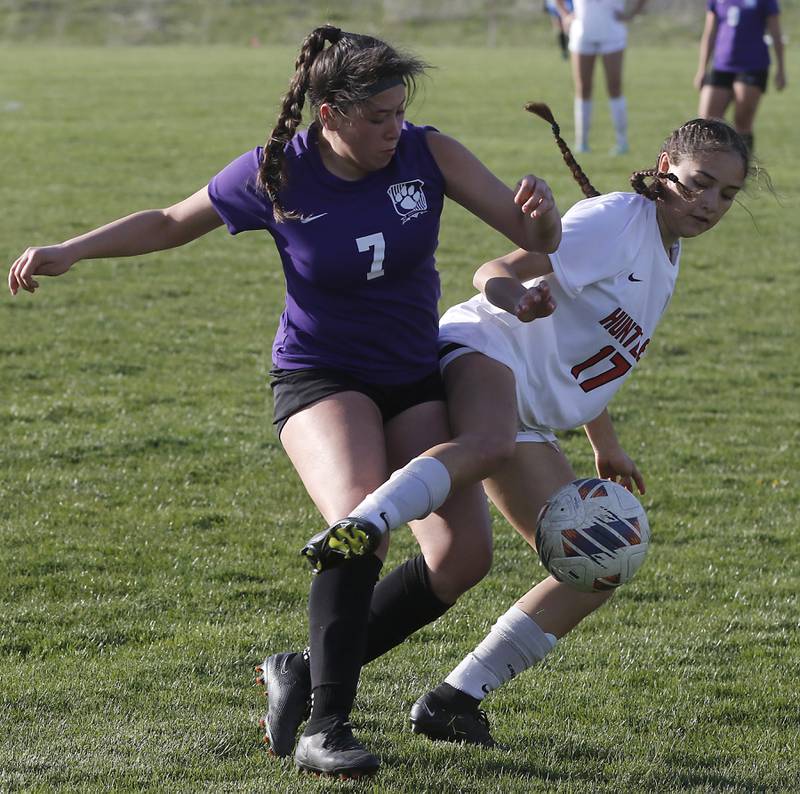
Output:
(414, 491)
(619, 116)
(583, 121)
(514, 644)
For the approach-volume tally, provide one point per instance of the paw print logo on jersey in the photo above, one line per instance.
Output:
(408, 199)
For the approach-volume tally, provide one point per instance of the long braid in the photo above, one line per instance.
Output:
(544, 112)
(271, 172)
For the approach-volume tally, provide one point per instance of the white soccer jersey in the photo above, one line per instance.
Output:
(612, 281)
(597, 19)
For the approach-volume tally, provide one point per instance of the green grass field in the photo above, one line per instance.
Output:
(149, 522)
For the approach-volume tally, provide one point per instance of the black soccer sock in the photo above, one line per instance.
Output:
(563, 40)
(338, 608)
(403, 602)
(749, 140)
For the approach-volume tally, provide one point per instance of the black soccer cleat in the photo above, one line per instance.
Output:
(335, 751)
(434, 718)
(289, 702)
(348, 538)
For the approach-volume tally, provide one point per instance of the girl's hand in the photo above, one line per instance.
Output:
(614, 464)
(780, 80)
(534, 196)
(698, 80)
(536, 302)
(52, 260)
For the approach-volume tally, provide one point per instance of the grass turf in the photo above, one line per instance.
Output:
(149, 522)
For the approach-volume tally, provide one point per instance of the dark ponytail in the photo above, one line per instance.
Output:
(271, 172)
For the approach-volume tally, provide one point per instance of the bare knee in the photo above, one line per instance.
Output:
(459, 572)
(492, 451)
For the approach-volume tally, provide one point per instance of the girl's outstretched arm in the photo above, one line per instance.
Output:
(140, 233)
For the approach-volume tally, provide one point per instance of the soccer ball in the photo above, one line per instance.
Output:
(593, 535)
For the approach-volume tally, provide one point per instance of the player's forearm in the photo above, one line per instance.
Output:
(600, 432)
(705, 53)
(139, 233)
(706, 46)
(499, 284)
(774, 29)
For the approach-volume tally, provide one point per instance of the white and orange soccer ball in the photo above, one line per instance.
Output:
(593, 535)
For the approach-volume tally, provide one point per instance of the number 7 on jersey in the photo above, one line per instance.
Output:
(378, 244)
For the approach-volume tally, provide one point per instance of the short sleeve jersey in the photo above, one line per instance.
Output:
(739, 44)
(612, 281)
(598, 18)
(362, 288)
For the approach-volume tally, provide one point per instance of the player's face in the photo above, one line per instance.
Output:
(714, 178)
(365, 138)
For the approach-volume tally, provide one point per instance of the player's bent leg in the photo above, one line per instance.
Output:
(338, 468)
(518, 640)
(456, 540)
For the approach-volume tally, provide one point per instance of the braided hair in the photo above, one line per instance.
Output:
(690, 139)
(544, 112)
(344, 75)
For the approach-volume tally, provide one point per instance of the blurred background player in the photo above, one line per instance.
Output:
(558, 25)
(734, 33)
(597, 27)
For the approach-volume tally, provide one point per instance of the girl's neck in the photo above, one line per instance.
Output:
(668, 237)
(337, 164)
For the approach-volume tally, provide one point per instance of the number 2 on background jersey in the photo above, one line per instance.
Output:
(619, 366)
(378, 244)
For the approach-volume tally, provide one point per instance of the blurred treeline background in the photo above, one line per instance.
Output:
(265, 22)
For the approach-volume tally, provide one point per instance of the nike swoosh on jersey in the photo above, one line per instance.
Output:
(631, 277)
(309, 218)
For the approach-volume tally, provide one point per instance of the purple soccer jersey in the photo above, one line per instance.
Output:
(362, 289)
(739, 45)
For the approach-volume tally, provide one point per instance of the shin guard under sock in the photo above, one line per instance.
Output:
(338, 609)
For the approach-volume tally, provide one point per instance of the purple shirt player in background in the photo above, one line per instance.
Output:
(353, 207)
(734, 33)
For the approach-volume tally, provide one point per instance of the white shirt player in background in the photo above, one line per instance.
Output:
(544, 347)
(597, 27)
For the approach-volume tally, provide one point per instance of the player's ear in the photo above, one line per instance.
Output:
(663, 163)
(328, 116)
